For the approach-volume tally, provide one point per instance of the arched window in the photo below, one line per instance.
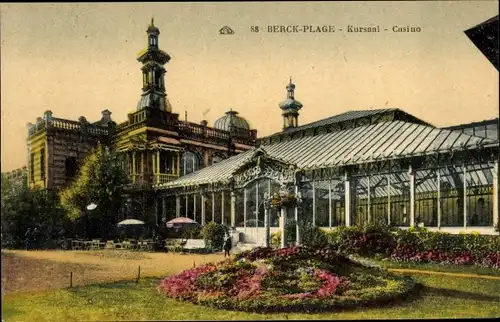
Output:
(190, 162)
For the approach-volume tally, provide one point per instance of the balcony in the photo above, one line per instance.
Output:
(164, 178)
(152, 179)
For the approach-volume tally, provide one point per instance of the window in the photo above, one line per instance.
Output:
(32, 167)
(70, 167)
(42, 163)
(190, 162)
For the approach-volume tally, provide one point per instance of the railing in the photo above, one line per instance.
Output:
(239, 135)
(67, 125)
(149, 178)
(141, 178)
(164, 178)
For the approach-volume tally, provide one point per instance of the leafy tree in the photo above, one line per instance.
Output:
(25, 208)
(99, 181)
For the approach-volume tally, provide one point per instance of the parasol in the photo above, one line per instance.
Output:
(179, 221)
(130, 222)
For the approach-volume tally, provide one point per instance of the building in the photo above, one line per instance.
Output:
(360, 166)
(17, 177)
(485, 37)
(157, 147)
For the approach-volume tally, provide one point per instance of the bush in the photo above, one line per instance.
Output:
(192, 233)
(276, 240)
(213, 233)
(419, 245)
(313, 236)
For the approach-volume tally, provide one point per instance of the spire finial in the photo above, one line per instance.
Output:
(152, 21)
(290, 79)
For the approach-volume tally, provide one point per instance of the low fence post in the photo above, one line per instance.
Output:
(138, 275)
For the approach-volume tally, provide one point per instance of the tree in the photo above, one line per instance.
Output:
(99, 181)
(25, 208)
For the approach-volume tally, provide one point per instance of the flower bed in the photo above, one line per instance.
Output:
(418, 245)
(291, 279)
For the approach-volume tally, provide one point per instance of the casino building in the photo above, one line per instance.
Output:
(359, 166)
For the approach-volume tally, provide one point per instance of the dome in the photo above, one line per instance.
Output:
(231, 120)
(290, 103)
(152, 28)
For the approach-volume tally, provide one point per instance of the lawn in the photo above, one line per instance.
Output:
(443, 296)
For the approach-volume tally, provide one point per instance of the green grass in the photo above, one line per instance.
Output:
(441, 297)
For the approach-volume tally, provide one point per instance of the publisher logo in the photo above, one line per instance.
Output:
(226, 31)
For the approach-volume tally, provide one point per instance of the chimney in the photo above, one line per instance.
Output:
(47, 116)
(106, 117)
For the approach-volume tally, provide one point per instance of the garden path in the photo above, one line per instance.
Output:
(408, 270)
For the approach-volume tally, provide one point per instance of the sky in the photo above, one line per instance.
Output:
(79, 59)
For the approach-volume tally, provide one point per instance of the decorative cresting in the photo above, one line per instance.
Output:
(261, 165)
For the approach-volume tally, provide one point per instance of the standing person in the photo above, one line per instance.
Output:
(27, 238)
(227, 245)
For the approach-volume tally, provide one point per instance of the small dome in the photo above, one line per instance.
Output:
(290, 103)
(152, 28)
(231, 120)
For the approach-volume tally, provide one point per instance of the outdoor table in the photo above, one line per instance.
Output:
(152, 245)
(87, 244)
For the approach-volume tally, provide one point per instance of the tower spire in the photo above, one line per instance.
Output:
(290, 89)
(153, 60)
(290, 107)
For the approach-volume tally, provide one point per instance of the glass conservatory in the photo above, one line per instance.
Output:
(403, 173)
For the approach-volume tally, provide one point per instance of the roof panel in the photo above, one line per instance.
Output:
(375, 141)
(340, 138)
(390, 130)
(422, 135)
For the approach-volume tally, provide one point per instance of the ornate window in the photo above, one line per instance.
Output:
(190, 162)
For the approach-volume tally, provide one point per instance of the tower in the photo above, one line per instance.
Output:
(153, 60)
(290, 107)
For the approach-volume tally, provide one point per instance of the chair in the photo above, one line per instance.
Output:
(133, 244)
(95, 244)
(76, 244)
(110, 244)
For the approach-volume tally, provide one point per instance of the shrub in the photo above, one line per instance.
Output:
(192, 233)
(379, 240)
(213, 233)
(276, 239)
(313, 236)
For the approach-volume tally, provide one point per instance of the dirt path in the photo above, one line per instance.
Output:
(35, 271)
(407, 270)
